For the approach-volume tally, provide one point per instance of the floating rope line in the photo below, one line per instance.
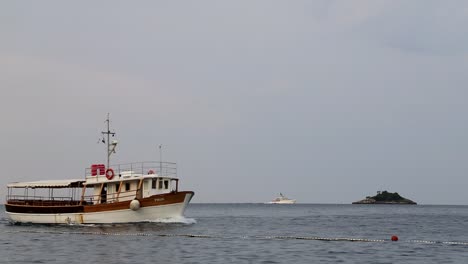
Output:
(327, 238)
(438, 242)
(202, 236)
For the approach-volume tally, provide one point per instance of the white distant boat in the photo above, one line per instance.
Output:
(281, 199)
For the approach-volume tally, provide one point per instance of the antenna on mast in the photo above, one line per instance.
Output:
(110, 145)
(160, 159)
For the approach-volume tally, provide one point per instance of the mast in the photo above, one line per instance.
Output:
(110, 145)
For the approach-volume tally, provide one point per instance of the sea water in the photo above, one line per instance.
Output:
(253, 233)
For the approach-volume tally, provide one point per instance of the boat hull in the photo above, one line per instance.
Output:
(152, 209)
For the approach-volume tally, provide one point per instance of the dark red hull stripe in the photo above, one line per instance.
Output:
(155, 200)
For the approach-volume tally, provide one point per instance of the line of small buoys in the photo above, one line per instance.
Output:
(438, 242)
(329, 239)
(392, 238)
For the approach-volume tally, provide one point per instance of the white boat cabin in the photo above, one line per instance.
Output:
(126, 182)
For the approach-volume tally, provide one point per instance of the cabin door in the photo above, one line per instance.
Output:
(104, 193)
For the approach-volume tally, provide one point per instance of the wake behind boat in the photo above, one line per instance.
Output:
(281, 199)
(123, 193)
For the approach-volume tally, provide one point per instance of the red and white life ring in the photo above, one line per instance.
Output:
(109, 174)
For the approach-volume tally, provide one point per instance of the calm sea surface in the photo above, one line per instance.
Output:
(253, 233)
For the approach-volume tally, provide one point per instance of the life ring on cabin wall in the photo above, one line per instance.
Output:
(109, 174)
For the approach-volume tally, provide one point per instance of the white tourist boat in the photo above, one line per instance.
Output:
(281, 199)
(123, 193)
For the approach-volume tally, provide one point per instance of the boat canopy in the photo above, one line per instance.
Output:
(48, 184)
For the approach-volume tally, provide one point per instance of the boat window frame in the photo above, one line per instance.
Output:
(160, 184)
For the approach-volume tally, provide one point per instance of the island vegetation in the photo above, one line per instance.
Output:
(385, 198)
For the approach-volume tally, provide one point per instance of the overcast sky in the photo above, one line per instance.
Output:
(324, 101)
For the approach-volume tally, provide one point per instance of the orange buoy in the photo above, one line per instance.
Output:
(394, 238)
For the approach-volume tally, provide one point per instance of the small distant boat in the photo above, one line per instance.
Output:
(281, 199)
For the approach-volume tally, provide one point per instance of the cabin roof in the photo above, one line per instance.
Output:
(48, 184)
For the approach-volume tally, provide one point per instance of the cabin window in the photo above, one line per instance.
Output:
(160, 184)
(117, 187)
(166, 184)
(127, 186)
(153, 184)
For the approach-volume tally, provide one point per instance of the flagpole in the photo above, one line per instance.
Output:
(160, 159)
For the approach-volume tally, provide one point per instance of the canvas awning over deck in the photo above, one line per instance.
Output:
(48, 184)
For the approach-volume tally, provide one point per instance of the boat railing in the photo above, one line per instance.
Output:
(164, 169)
(110, 198)
(41, 200)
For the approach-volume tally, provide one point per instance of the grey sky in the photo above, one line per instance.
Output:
(325, 101)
